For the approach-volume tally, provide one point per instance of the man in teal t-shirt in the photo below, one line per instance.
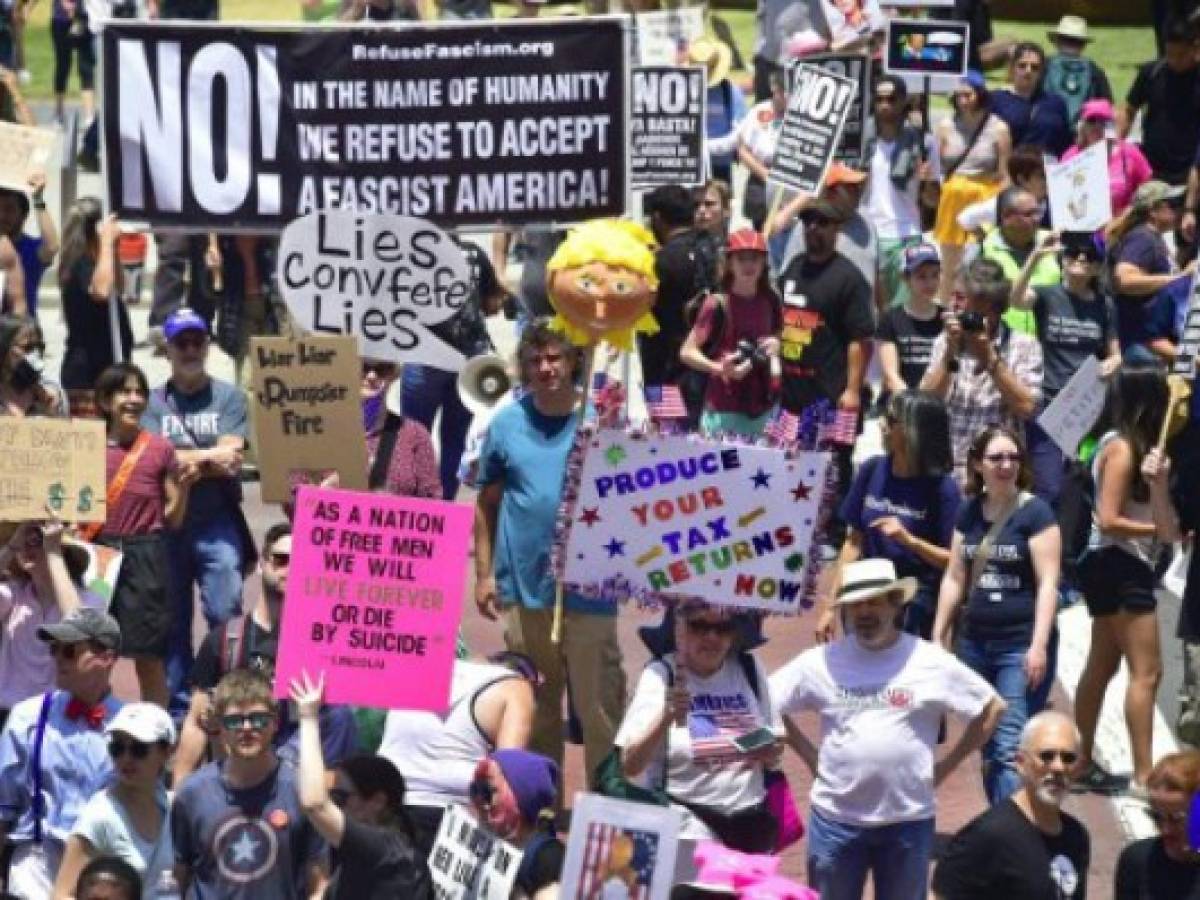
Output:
(521, 470)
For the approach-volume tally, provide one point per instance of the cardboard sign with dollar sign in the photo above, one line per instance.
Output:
(52, 463)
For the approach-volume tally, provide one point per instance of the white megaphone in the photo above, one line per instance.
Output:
(482, 382)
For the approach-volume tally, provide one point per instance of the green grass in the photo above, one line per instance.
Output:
(1119, 50)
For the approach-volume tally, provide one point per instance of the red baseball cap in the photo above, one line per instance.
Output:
(746, 239)
(840, 173)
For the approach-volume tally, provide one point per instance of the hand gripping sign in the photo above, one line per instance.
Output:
(385, 279)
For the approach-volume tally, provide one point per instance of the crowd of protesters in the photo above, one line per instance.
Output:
(922, 296)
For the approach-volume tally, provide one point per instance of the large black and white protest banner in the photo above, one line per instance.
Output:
(851, 65)
(241, 127)
(666, 126)
(816, 113)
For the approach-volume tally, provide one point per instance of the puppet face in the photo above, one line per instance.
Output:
(600, 298)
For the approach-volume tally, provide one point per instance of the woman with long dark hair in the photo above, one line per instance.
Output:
(23, 390)
(362, 816)
(902, 506)
(1134, 518)
(1004, 564)
(735, 341)
(90, 279)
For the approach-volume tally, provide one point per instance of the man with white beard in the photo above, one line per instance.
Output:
(1025, 846)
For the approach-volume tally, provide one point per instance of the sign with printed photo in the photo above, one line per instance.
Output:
(818, 105)
(676, 516)
(619, 849)
(307, 413)
(666, 126)
(1079, 191)
(516, 121)
(857, 67)
(926, 47)
(52, 463)
(469, 862)
(374, 597)
(662, 36)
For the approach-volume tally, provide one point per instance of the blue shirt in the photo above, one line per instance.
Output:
(527, 451)
(1042, 120)
(74, 766)
(196, 421)
(28, 249)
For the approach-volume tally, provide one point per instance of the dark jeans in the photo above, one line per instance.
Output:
(426, 391)
(66, 44)
(1047, 461)
(173, 287)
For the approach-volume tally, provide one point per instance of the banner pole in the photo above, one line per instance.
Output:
(588, 360)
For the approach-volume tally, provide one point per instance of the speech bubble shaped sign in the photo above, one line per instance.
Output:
(384, 279)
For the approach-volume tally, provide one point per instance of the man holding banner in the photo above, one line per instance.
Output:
(521, 471)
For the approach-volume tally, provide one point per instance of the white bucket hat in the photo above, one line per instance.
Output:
(870, 578)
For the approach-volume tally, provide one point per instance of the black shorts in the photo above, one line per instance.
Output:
(1114, 581)
(140, 603)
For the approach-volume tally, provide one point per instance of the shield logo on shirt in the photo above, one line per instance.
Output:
(245, 849)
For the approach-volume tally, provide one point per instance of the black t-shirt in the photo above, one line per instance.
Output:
(676, 265)
(1171, 121)
(89, 341)
(1145, 248)
(1145, 872)
(913, 338)
(257, 650)
(1002, 855)
(825, 307)
(1002, 604)
(377, 864)
(1070, 329)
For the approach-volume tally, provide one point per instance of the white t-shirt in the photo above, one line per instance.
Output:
(880, 712)
(894, 213)
(105, 825)
(705, 768)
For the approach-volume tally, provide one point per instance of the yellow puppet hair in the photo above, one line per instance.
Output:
(616, 242)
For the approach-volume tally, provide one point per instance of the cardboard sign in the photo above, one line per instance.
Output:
(23, 151)
(926, 47)
(382, 278)
(513, 121)
(469, 862)
(662, 37)
(1073, 412)
(374, 597)
(52, 462)
(812, 126)
(1079, 190)
(620, 849)
(678, 516)
(666, 127)
(307, 419)
(849, 65)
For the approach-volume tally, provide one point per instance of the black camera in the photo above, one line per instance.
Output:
(972, 322)
(748, 351)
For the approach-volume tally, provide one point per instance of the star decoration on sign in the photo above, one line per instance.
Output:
(615, 454)
(801, 491)
(590, 516)
(761, 479)
(615, 548)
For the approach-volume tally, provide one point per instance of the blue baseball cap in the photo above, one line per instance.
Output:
(975, 79)
(918, 255)
(183, 319)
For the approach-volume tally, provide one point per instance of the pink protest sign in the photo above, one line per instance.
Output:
(374, 597)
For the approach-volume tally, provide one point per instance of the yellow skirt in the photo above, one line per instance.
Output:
(959, 192)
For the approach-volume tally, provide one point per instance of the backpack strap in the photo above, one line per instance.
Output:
(750, 670)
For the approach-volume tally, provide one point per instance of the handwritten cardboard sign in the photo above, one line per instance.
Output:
(620, 849)
(52, 462)
(1079, 192)
(307, 415)
(382, 278)
(23, 151)
(469, 862)
(677, 516)
(1073, 412)
(374, 597)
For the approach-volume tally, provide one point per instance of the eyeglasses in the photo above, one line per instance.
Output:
(1179, 817)
(997, 458)
(237, 721)
(1068, 757)
(701, 627)
(118, 748)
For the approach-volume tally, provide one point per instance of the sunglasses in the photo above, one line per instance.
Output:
(118, 748)
(1068, 757)
(721, 629)
(997, 458)
(1160, 819)
(237, 721)
(69, 651)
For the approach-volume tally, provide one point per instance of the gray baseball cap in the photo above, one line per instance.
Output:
(84, 624)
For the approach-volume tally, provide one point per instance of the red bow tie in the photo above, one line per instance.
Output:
(93, 715)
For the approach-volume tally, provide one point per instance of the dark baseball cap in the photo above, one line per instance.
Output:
(84, 624)
(183, 319)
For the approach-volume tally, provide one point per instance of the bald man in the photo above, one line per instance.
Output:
(1025, 846)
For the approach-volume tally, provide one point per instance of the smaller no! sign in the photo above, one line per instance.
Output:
(384, 279)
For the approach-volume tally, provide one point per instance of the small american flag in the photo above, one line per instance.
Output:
(840, 428)
(784, 428)
(596, 856)
(665, 402)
